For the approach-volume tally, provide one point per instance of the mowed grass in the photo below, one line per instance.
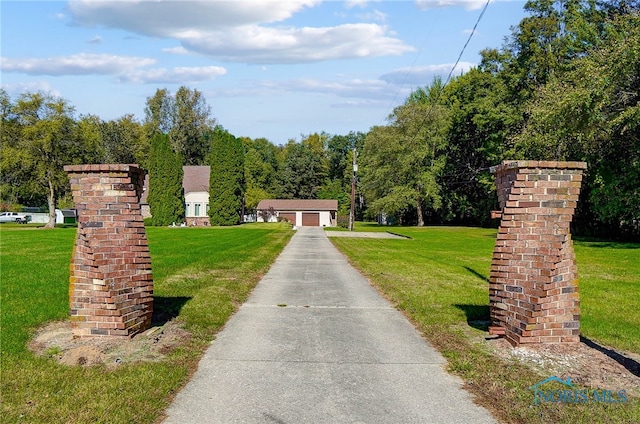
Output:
(201, 275)
(609, 279)
(438, 277)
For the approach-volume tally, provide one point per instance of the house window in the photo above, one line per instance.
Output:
(207, 209)
(197, 210)
(187, 209)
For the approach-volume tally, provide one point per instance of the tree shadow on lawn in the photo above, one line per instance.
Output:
(630, 364)
(477, 315)
(167, 308)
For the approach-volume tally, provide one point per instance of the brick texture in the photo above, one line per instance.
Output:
(533, 284)
(111, 283)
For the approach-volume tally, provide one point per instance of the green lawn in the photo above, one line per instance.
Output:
(609, 275)
(439, 278)
(201, 275)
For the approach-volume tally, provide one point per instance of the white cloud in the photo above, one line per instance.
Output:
(78, 64)
(359, 104)
(241, 31)
(178, 75)
(375, 16)
(256, 44)
(167, 18)
(351, 88)
(359, 91)
(95, 40)
(349, 4)
(128, 69)
(30, 87)
(467, 4)
(423, 75)
(176, 50)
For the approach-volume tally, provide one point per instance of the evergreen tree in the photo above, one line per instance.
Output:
(226, 184)
(166, 196)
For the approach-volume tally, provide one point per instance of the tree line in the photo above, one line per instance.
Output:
(41, 133)
(564, 86)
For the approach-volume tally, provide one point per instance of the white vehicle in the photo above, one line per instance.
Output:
(14, 217)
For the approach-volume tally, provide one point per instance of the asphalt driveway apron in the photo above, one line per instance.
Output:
(315, 343)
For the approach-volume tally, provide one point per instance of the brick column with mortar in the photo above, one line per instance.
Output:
(533, 284)
(111, 284)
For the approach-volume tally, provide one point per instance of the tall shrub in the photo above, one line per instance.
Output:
(227, 184)
(166, 195)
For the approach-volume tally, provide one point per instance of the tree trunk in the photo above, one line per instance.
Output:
(420, 214)
(51, 199)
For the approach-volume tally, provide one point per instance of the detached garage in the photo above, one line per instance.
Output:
(305, 213)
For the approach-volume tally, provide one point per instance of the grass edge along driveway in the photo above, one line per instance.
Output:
(438, 278)
(209, 271)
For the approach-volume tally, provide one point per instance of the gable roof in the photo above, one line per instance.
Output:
(196, 178)
(298, 205)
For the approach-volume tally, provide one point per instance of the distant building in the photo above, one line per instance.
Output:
(308, 213)
(196, 194)
(195, 184)
(305, 213)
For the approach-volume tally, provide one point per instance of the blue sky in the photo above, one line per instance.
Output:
(274, 69)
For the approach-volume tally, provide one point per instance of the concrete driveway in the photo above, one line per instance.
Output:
(315, 343)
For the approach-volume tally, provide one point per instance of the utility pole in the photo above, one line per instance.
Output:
(352, 213)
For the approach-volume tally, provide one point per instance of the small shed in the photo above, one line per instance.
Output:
(66, 216)
(305, 213)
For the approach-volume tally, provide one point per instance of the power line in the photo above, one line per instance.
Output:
(406, 75)
(473, 31)
(466, 44)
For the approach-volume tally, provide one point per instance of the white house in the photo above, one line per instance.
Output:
(196, 194)
(195, 185)
(316, 213)
(305, 213)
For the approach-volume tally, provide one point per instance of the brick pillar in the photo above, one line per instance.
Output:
(533, 285)
(111, 285)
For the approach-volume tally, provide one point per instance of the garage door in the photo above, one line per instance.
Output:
(310, 219)
(289, 216)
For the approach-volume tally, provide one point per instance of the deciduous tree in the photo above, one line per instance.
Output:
(123, 141)
(404, 159)
(593, 114)
(47, 141)
(303, 171)
(192, 120)
(186, 118)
